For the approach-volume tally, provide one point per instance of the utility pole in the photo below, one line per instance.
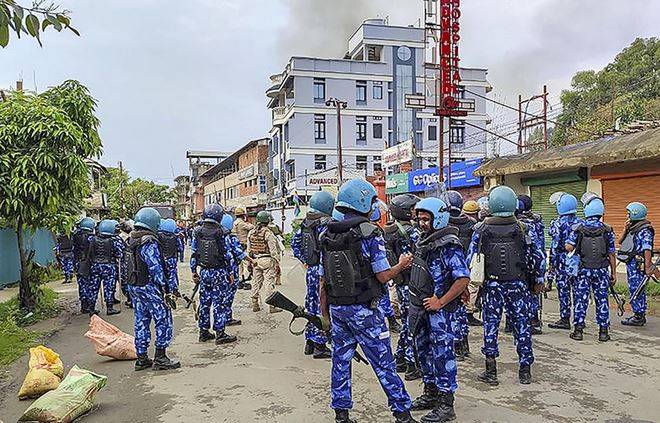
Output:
(339, 106)
(441, 147)
(121, 189)
(449, 158)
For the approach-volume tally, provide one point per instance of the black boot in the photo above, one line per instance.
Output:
(395, 327)
(525, 374)
(412, 372)
(205, 335)
(234, 322)
(536, 326)
(309, 347)
(444, 410)
(163, 362)
(490, 375)
(473, 321)
(466, 347)
(560, 324)
(428, 400)
(638, 319)
(577, 334)
(111, 311)
(401, 364)
(321, 352)
(223, 338)
(403, 417)
(143, 362)
(458, 350)
(341, 416)
(603, 334)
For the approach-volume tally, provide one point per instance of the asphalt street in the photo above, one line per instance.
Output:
(265, 377)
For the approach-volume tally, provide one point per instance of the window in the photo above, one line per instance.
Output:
(319, 129)
(361, 122)
(457, 132)
(291, 170)
(404, 115)
(319, 90)
(319, 162)
(433, 133)
(262, 184)
(378, 130)
(361, 162)
(461, 92)
(378, 165)
(361, 92)
(286, 132)
(378, 91)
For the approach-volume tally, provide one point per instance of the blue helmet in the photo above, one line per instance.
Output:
(322, 202)
(213, 213)
(502, 201)
(107, 227)
(167, 225)
(337, 215)
(357, 195)
(637, 211)
(596, 207)
(455, 202)
(87, 224)
(147, 218)
(227, 222)
(566, 203)
(438, 210)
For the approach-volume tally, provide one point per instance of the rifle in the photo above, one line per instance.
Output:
(620, 302)
(190, 301)
(279, 300)
(642, 286)
(550, 278)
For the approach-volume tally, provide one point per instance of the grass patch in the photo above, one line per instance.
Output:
(652, 289)
(15, 339)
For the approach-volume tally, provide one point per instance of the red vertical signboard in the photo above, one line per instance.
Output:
(450, 13)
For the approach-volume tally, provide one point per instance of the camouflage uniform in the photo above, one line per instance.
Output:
(560, 229)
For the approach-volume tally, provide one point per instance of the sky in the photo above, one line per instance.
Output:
(171, 76)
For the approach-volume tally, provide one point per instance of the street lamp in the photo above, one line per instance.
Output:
(339, 106)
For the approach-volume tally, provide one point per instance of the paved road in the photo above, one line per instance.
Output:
(265, 377)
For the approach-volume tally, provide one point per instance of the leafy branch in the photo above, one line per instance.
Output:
(32, 21)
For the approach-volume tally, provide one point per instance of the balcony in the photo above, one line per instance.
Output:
(276, 84)
(279, 114)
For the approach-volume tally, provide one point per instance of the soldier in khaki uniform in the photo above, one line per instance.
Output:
(263, 248)
(241, 229)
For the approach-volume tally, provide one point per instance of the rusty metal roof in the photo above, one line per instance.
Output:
(636, 146)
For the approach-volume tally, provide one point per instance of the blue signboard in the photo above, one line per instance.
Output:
(462, 176)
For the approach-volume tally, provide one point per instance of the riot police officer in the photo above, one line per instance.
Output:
(355, 270)
(238, 256)
(400, 237)
(636, 251)
(511, 256)
(305, 245)
(64, 254)
(149, 290)
(171, 245)
(439, 276)
(105, 252)
(82, 263)
(560, 229)
(465, 227)
(593, 241)
(525, 214)
(211, 251)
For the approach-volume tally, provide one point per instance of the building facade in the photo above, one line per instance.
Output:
(240, 179)
(383, 66)
(198, 163)
(182, 203)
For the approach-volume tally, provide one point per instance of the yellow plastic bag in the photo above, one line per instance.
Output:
(44, 374)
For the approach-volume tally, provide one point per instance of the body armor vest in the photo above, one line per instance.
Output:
(310, 240)
(465, 227)
(168, 244)
(592, 246)
(65, 243)
(627, 251)
(397, 237)
(258, 243)
(102, 250)
(136, 269)
(210, 246)
(422, 284)
(81, 246)
(349, 278)
(503, 244)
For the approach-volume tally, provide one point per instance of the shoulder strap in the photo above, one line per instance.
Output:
(368, 229)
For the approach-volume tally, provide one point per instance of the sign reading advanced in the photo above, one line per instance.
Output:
(462, 176)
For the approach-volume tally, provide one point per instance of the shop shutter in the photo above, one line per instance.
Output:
(541, 198)
(618, 193)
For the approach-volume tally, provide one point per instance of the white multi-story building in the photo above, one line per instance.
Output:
(383, 65)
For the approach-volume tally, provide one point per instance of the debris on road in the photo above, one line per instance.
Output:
(45, 373)
(110, 341)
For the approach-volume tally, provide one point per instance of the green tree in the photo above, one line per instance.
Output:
(626, 89)
(44, 141)
(31, 20)
(126, 196)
